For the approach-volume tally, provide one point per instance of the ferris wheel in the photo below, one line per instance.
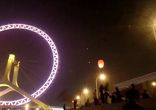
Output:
(53, 68)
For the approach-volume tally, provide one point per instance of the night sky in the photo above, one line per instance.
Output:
(118, 31)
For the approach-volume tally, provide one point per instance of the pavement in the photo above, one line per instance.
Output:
(148, 104)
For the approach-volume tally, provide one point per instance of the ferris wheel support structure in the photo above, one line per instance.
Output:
(13, 86)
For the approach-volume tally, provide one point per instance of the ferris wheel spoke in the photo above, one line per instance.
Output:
(5, 91)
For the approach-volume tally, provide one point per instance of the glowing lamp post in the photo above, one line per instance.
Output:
(154, 24)
(154, 87)
(85, 91)
(37, 108)
(154, 84)
(102, 77)
(72, 101)
(77, 97)
(100, 63)
(27, 107)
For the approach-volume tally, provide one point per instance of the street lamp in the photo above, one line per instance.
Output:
(77, 97)
(86, 95)
(154, 29)
(85, 91)
(154, 87)
(37, 108)
(153, 84)
(72, 101)
(101, 77)
(27, 107)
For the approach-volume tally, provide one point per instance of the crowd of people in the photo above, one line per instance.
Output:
(105, 97)
(130, 97)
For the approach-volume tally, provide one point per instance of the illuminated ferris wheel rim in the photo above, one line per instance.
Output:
(53, 67)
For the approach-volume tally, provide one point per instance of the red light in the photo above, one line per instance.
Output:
(100, 63)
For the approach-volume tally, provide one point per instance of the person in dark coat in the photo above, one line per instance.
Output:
(106, 95)
(75, 103)
(118, 95)
(64, 107)
(132, 94)
(101, 91)
(96, 101)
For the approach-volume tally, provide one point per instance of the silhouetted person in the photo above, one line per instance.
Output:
(145, 95)
(75, 103)
(96, 102)
(106, 95)
(64, 107)
(87, 102)
(113, 97)
(132, 93)
(101, 91)
(118, 95)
